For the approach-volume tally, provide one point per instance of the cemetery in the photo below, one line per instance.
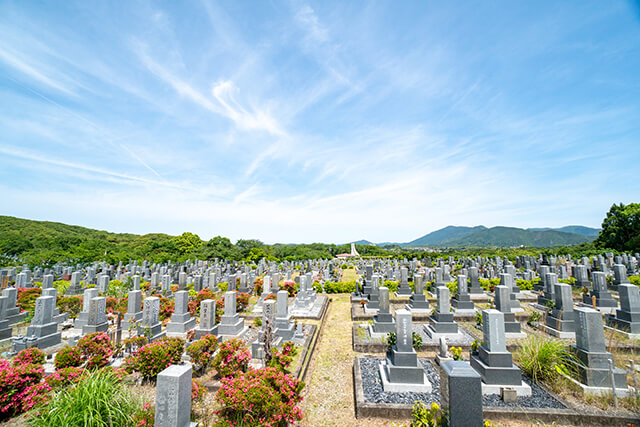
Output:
(199, 341)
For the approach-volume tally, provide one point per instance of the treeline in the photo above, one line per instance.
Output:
(43, 242)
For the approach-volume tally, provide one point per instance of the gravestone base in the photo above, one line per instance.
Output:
(202, 332)
(381, 333)
(373, 303)
(442, 325)
(180, 329)
(625, 391)
(476, 291)
(450, 336)
(593, 369)
(231, 325)
(400, 387)
(463, 302)
(464, 313)
(544, 299)
(90, 329)
(136, 317)
(418, 302)
(560, 334)
(368, 309)
(383, 323)
(604, 310)
(5, 330)
(523, 389)
(603, 300)
(417, 310)
(154, 332)
(60, 318)
(285, 328)
(403, 290)
(81, 320)
(20, 343)
(16, 318)
(631, 325)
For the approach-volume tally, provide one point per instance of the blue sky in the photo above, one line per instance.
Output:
(326, 122)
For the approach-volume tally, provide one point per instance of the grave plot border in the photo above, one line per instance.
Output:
(393, 411)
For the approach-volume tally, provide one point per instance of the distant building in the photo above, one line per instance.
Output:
(354, 253)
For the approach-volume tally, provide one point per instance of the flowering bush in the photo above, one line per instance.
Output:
(155, 357)
(96, 349)
(35, 394)
(232, 357)
(33, 356)
(194, 304)
(26, 299)
(265, 397)
(146, 417)
(64, 377)
(281, 359)
(242, 301)
(290, 287)
(259, 285)
(134, 343)
(167, 308)
(68, 357)
(14, 382)
(201, 352)
(197, 391)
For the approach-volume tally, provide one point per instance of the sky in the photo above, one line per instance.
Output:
(288, 121)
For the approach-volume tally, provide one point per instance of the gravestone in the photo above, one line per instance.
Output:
(13, 313)
(493, 362)
(136, 282)
(548, 294)
(197, 283)
(5, 328)
(75, 287)
(401, 371)
(581, 276)
(590, 350)
(43, 331)
(97, 316)
(474, 281)
(134, 309)
(461, 394)
(619, 276)
(151, 326)
(603, 296)
(543, 270)
(442, 322)
(284, 325)
(173, 397)
(207, 324)
(57, 317)
(462, 301)
(373, 303)
(268, 318)
(503, 305)
(47, 281)
(417, 301)
(560, 322)
(383, 322)
(231, 323)
(83, 316)
(181, 320)
(627, 317)
(166, 284)
(403, 287)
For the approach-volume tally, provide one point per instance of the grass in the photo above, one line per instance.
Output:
(349, 274)
(98, 400)
(541, 358)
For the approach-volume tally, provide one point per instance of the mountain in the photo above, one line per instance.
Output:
(576, 229)
(363, 242)
(444, 236)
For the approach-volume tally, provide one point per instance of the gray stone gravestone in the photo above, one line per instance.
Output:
(151, 326)
(173, 397)
(181, 320)
(627, 317)
(231, 324)
(462, 301)
(207, 324)
(560, 322)
(461, 394)
(383, 322)
(134, 308)
(83, 316)
(442, 323)
(43, 331)
(97, 318)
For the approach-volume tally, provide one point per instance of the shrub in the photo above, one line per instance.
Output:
(145, 417)
(456, 352)
(423, 416)
(194, 304)
(29, 356)
(71, 305)
(201, 352)
(534, 317)
(35, 394)
(100, 398)
(155, 357)
(167, 307)
(242, 301)
(26, 299)
(281, 359)
(542, 358)
(68, 357)
(96, 349)
(474, 345)
(14, 382)
(259, 285)
(336, 287)
(259, 397)
(290, 287)
(64, 377)
(257, 322)
(233, 357)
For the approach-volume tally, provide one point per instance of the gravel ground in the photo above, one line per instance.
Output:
(374, 393)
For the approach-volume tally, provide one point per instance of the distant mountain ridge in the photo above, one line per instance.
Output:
(457, 236)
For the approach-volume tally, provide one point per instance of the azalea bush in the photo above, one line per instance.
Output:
(232, 357)
(155, 357)
(96, 349)
(242, 301)
(26, 298)
(64, 377)
(29, 356)
(201, 352)
(68, 357)
(15, 383)
(290, 287)
(281, 359)
(194, 304)
(259, 397)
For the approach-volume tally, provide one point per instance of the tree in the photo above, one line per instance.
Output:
(621, 228)
(187, 242)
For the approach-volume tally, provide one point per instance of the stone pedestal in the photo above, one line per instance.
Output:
(231, 324)
(461, 394)
(627, 318)
(383, 322)
(442, 322)
(181, 320)
(603, 296)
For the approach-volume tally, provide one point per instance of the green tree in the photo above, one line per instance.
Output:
(187, 242)
(621, 228)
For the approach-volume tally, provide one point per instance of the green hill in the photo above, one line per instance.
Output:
(575, 229)
(444, 236)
